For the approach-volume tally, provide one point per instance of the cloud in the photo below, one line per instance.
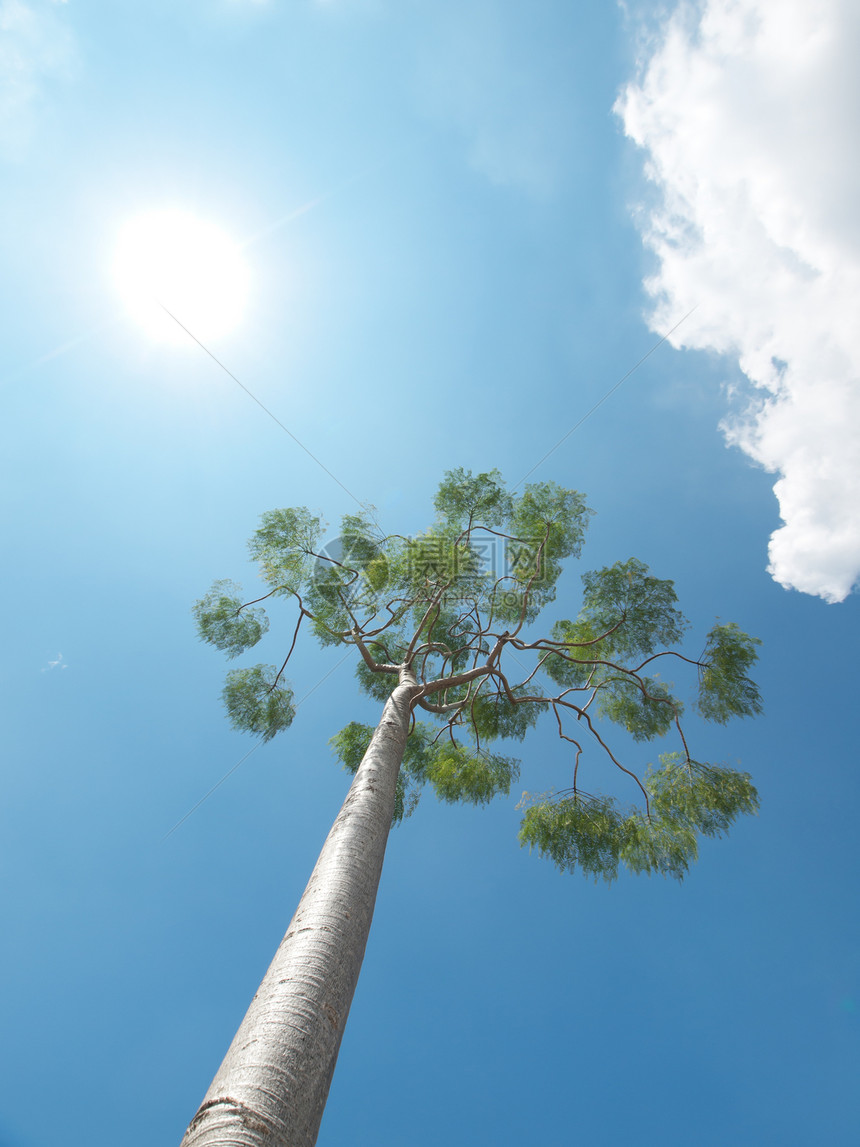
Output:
(748, 111)
(58, 664)
(35, 47)
(482, 72)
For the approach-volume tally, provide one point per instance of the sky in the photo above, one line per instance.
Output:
(611, 246)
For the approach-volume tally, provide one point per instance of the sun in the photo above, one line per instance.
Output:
(172, 259)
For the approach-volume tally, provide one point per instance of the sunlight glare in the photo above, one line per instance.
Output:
(189, 265)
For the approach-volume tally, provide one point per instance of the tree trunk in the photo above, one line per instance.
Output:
(271, 1089)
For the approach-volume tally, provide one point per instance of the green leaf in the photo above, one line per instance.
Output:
(548, 523)
(351, 743)
(327, 596)
(379, 686)
(480, 499)
(645, 707)
(661, 846)
(547, 509)
(256, 703)
(419, 749)
(353, 567)
(284, 546)
(223, 623)
(549, 518)
(638, 608)
(725, 691)
(461, 774)
(687, 798)
(360, 541)
(495, 716)
(446, 629)
(591, 834)
(436, 559)
(707, 797)
(573, 670)
(575, 832)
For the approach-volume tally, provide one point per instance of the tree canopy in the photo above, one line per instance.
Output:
(458, 606)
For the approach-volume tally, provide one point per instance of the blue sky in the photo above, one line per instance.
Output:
(462, 225)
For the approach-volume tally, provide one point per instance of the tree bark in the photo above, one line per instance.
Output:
(271, 1089)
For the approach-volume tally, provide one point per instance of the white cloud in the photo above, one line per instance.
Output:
(750, 114)
(58, 664)
(35, 47)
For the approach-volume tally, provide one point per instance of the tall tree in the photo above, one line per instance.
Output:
(444, 623)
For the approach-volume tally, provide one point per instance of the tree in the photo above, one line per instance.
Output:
(444, 623)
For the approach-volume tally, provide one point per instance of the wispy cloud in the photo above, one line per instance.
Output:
(480, 75)
(57, 664)
(36, 47)
(748, 111)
